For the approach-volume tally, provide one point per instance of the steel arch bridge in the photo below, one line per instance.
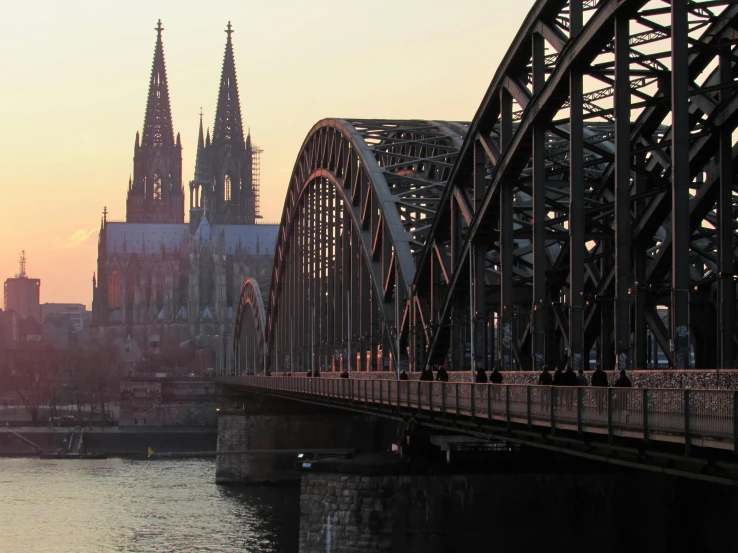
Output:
(599, 184)
(359, 206)
(589, 212)
(250, 330)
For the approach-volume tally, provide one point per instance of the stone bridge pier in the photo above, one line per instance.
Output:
(548, 505)
(256, 422)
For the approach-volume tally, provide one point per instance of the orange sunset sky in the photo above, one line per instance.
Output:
(75, 77)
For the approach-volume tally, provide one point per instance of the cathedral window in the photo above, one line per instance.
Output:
(131, 280)
(159, 290)
(228, 188)
(114, 289)
(156, 192)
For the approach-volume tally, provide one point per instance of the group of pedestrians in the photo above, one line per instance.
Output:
(495, 377)
(426, 375)
(567, 377)
(562, 376)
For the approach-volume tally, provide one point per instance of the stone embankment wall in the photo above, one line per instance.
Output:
(345, 513)
(116, 442)
(239, 433)
(267, 423)
(148, 401)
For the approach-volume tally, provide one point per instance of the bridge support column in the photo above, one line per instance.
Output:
(377, 506)
(640, 290)
(479, 268)
(726, 269)
(577, 248)
(330, 286)
(456, 323)
(623, 245)
(605, 350)
(478, 298)
(540, 254)
(506, 336)
(268, 423)
(680, 181)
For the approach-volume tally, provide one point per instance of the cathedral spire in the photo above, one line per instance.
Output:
(157, 130)
(200, 139)
(200, 161)
(228, 128)
(155, 193)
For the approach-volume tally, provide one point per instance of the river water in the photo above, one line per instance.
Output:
(120, 505)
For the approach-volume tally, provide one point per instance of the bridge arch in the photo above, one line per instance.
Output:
(583, 215)
(359, 205)
(249, 330)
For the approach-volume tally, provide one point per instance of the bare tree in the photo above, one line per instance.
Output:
(32, 370)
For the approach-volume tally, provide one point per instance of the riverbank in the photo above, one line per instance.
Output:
(116, 441)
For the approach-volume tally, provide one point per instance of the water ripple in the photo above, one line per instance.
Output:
(125, 506)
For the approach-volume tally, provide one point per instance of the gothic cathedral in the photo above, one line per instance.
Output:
(165, 285)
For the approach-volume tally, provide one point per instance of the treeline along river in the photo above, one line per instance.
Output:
(119, 505)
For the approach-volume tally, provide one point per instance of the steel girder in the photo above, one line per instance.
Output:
(359, 206)
(250, 330)
(593, 195)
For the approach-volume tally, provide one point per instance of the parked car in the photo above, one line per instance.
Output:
(65, 420)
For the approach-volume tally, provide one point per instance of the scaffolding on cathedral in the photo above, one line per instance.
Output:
(256, 176)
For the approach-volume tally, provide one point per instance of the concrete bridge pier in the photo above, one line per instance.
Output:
(260, 422)
(365, 505)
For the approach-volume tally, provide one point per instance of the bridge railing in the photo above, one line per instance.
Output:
(693, 417)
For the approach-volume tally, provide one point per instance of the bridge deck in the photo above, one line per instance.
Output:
(702, 418)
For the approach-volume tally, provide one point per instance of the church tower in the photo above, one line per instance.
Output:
(155, 194)
(201, 183)
(223, 186)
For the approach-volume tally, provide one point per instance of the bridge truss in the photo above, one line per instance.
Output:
(590, 210)
(250, 330)
(594, 195)
(359, 206)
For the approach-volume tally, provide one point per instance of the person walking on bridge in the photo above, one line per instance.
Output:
(623, 382)
(582, 378)
(558, 377)
(582, 382)
(558, 380)
(570, 380)
(481, 377)
(496, 378)
(442, 374)
(403, 375)
(599, 380)
(426, 375)
(545, 379)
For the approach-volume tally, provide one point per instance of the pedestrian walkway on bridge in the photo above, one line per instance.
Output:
(656, 418)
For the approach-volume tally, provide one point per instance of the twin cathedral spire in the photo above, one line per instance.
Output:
(223, 187)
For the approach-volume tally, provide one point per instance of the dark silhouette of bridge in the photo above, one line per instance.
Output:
(587, 212)
(689, 433)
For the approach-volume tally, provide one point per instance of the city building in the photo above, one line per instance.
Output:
(22, 294)
(77, 313)
(9, 328)
(167, 284)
